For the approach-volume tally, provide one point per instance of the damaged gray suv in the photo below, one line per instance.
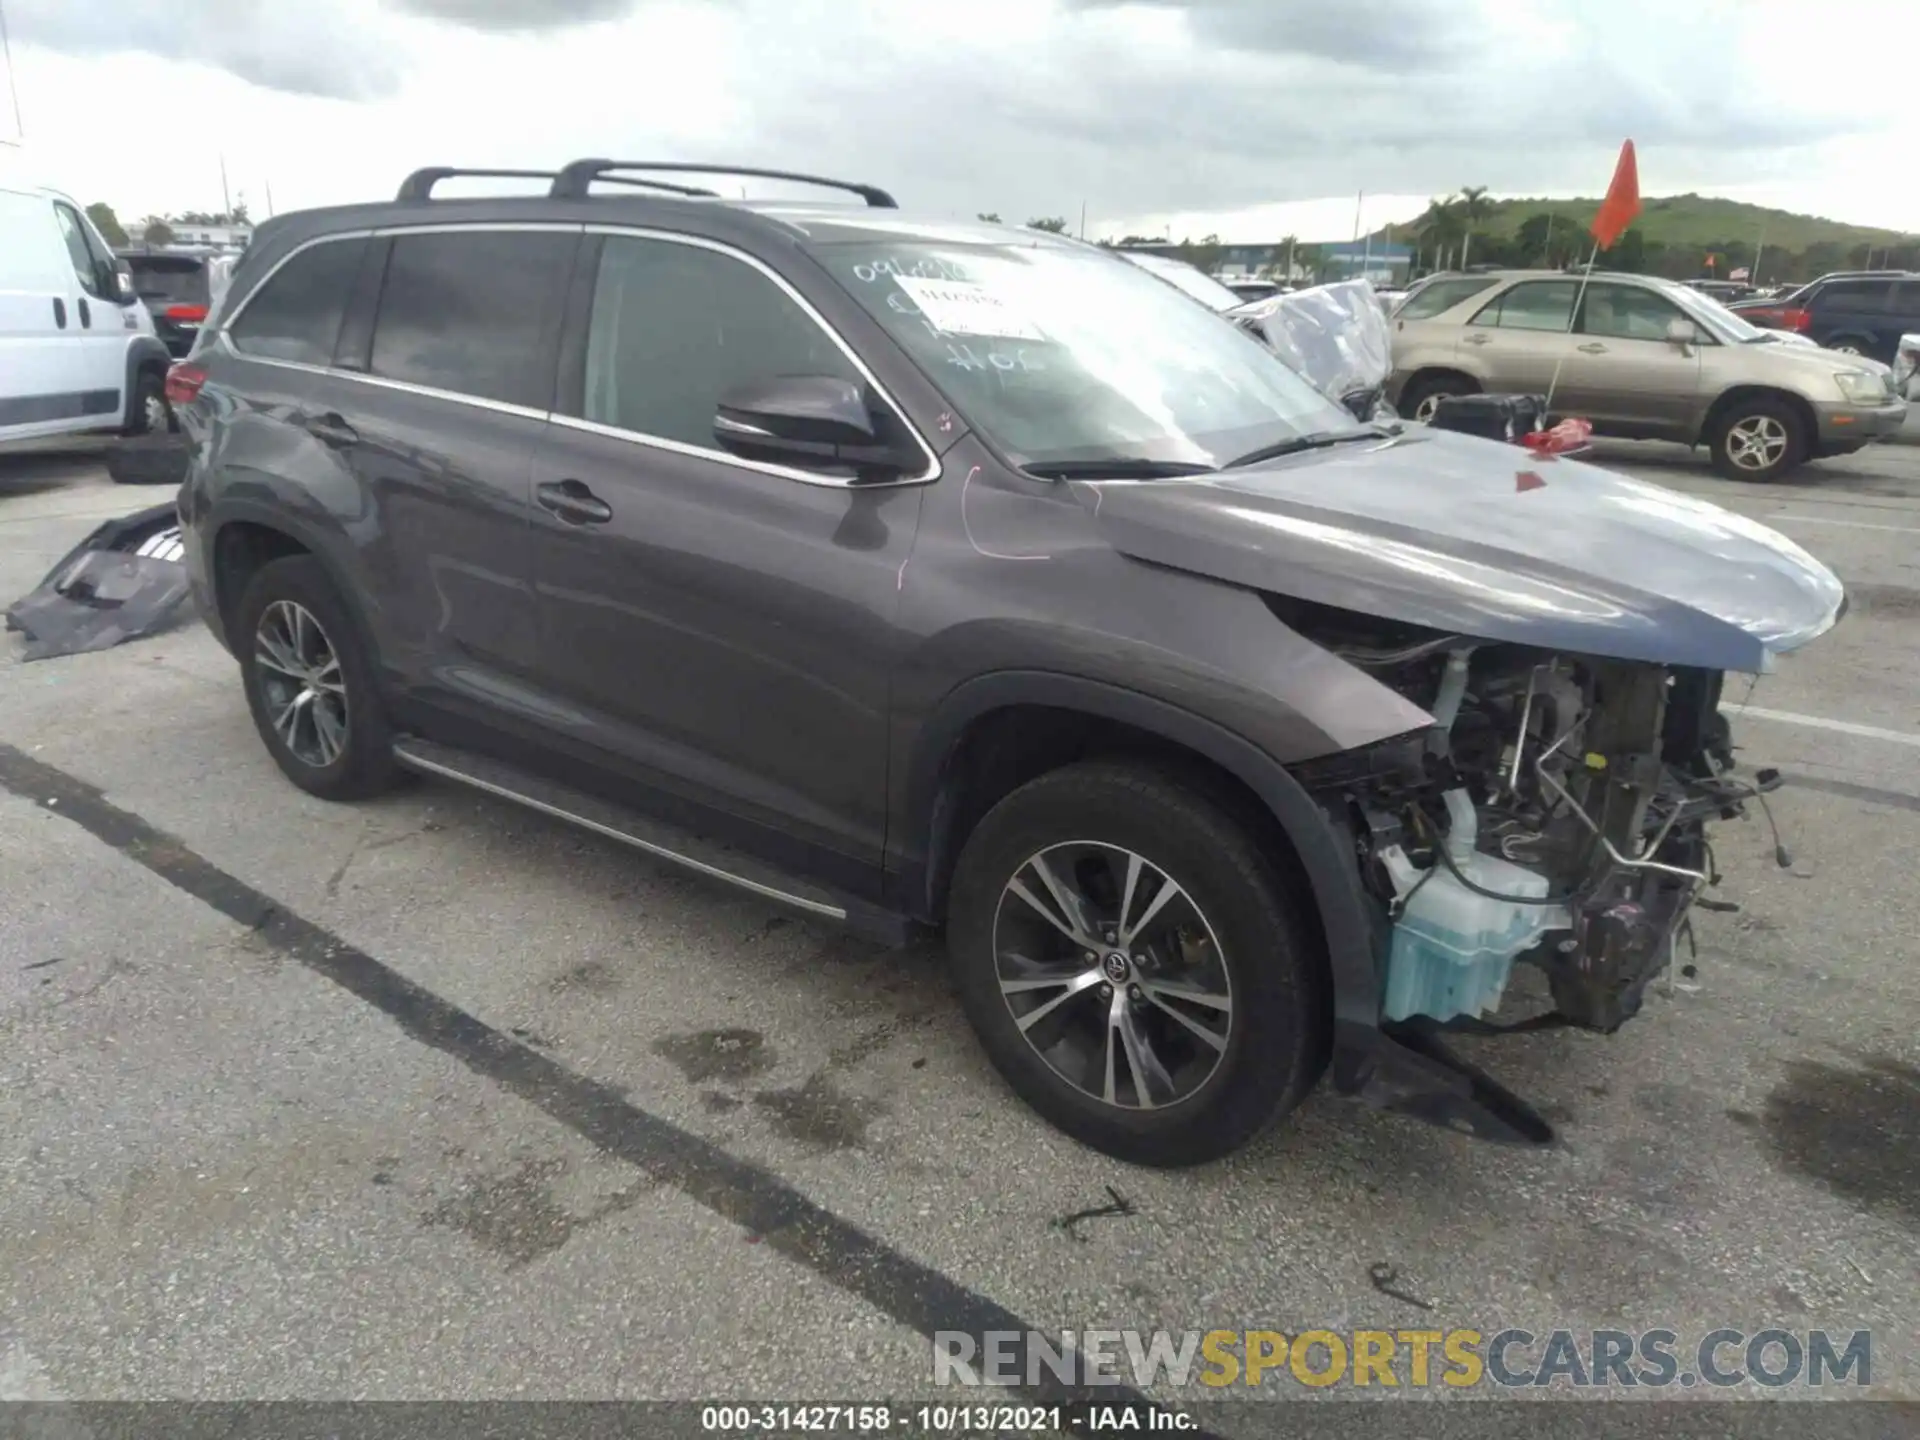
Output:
(910, 573)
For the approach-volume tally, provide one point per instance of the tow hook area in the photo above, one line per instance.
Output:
(1410, 1070)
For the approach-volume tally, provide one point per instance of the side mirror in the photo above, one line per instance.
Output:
(1682, 333)
(815, 422)
(123, 286)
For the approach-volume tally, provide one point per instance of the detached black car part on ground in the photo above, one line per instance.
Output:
(931, 574)
(122, 582)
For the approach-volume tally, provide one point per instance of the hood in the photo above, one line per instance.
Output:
(1468, 535)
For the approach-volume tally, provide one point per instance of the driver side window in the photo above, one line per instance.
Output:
(676, 326)
(93, 267)
(1627, 312)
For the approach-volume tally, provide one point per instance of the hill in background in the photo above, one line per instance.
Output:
(1702, 221)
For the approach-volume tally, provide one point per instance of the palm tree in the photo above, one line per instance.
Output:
(1474, 207)
(1442, 226)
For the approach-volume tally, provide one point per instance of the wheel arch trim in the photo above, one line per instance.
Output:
(1324, 853)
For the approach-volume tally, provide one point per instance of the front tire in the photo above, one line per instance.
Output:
(1134, 964)
(310, 683)
(1758, 439)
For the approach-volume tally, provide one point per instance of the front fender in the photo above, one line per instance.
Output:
(1325, 852)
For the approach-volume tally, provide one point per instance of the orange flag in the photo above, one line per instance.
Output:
(1622, 204)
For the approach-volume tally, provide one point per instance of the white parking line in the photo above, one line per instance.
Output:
(1820, 722)
(1849, 524)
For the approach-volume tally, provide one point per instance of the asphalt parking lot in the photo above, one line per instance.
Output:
(434, 1097)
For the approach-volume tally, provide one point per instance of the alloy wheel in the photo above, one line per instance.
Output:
(154, 413)
(1113, 975)
(1424, 411)
(302, 683)
(1756, 443)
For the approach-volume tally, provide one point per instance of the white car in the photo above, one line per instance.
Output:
(78, 351)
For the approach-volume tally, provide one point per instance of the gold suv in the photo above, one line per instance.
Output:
(1644, 359)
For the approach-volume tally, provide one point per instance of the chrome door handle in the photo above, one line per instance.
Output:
(1476, 340)
(573, 502)
(1593, 349)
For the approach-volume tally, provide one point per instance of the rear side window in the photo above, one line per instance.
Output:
(675, 327)
(1441, 295)
(1532, 305)
(475, 312)
(295, 314)
(1857, 297)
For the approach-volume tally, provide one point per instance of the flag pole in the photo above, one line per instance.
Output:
(1573, 316)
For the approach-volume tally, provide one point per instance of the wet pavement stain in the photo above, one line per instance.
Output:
(1857, 1130)
(706, 1055)
(516, 1216)
(590, 977)
(819, 1114)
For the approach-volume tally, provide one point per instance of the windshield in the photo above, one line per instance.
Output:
(1714, 315)
(1059, 354)
(1195, 282)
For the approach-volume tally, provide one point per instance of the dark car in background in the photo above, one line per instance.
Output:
(177, 288)
(930, 574)
(1855, 312)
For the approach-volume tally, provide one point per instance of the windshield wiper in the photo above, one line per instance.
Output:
(1317, 440)
(1120, 467)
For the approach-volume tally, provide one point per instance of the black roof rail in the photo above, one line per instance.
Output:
(573, 181)
(419, 185)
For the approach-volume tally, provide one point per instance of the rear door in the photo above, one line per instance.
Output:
(176, 292)
(1623, 372)
(1855, 315)
(445, 375)
(1522, 338)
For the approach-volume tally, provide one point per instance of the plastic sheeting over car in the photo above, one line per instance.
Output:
(1337, 336)
(123, 581)
(1906, 367)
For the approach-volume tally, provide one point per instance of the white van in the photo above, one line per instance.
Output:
(77, 348)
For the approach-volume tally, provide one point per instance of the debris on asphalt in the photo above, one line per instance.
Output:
(1386, 1280)
(1120, 1207)
(124, 581)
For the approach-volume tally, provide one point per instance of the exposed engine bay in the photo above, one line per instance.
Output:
(1556, 814)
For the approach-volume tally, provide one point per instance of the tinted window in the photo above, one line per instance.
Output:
(1440, 295)
(475, 312)
(167, 280)
(295, 315)
(1855, 296)
(1627, 312)
(676, 326)
(1532, 305)
(1906, 297)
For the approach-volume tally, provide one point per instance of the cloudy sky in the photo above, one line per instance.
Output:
(1250, 118)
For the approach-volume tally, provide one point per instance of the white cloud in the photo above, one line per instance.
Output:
(1189, 116)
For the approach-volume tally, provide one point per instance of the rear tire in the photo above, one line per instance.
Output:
(1425, 391)
(310, 683)
(1758, 439)
(148, 412)
(1227, 954)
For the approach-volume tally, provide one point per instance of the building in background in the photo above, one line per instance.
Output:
(1375, 260)
(221, 237)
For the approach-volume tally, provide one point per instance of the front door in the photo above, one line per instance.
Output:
(1624, 373)
(723, 629)
(96, 320)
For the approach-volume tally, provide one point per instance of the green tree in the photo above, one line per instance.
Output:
(1280, 259)
(154, 230)
(1439, 228)
(992, 217)
(107, 223)
(1474, 206)
(1534, 239)
(1630, 251)
(1052, 224)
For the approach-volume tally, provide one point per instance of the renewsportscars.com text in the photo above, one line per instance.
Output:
(1456, 1358)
